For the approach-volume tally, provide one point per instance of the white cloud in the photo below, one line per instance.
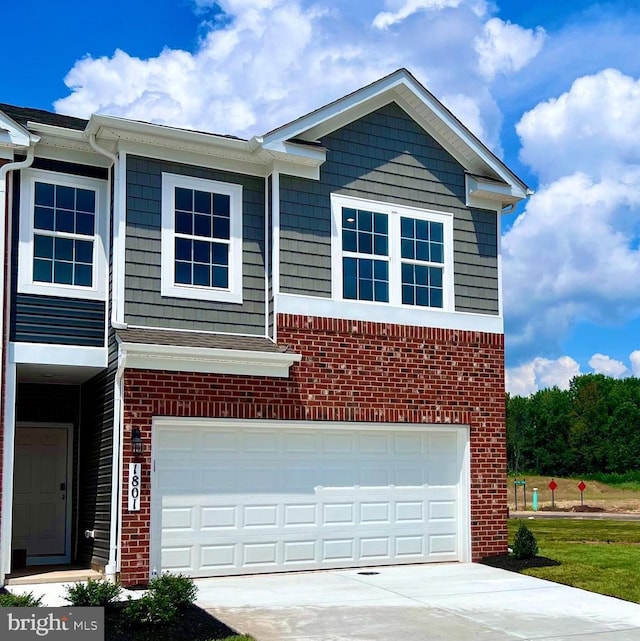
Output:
(528, 378)
(603, 364)
(261, 63)
(504, 47)
(574, 253)
(594, 127)
(634, 358)
(406, 8)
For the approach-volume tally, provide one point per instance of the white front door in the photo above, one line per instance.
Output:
(40, 498)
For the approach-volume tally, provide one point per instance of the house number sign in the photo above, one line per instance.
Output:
(135, 480)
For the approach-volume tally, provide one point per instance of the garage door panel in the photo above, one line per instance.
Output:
(259, 500)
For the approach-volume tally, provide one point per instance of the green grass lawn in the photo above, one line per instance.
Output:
(600, 556)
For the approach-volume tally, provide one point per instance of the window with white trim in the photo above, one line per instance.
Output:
(201, 239)
(388, 254)
(63, 235)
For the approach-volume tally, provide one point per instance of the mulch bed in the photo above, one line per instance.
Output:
(191, 624)
(509, 562)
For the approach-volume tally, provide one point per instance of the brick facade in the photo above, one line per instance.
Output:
(350, 371)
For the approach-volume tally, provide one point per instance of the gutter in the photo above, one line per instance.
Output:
(113, 563)
(9, 434)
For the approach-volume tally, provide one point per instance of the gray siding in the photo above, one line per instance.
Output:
(143, 303)
(96, 453)
(385, 156)
(63, 321)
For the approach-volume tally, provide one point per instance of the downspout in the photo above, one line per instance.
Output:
(9, 435)
(111, 568)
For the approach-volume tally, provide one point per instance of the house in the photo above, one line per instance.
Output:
(227, 356)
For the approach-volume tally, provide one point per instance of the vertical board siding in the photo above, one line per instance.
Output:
(96, 455)
(143, 303)
(385, 156)
(57, 320)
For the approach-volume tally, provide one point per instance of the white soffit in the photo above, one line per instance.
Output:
(13, 135)
(208, 360)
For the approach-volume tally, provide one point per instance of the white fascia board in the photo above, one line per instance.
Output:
(117, 126)
(493, 194)
(13, 135)
(207, 360)
(402, 88)
(341, 111)
(46, 354)
(384, 313)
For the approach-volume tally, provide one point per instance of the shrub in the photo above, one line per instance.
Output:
(166, 596)
(525, 545)
(152, 609)
(179, 589)
(9, 600)
(93, 593)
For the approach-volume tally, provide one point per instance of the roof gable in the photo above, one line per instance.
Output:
(422, 106)
(12, 135)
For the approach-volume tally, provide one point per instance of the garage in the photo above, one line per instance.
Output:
(239, 497)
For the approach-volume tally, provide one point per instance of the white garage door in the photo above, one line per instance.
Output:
(238, 497)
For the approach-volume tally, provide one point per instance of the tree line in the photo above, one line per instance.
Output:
(593, 427)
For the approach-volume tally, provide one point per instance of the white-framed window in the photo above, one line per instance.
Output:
(63, 235)
(391, 255)
(201, 239)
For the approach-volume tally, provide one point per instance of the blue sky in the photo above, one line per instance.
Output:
(552, 87)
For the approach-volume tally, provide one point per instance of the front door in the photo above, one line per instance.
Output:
(40, 497)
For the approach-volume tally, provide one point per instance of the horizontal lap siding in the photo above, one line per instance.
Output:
(143, 303)
(385, 156)
(56, 320)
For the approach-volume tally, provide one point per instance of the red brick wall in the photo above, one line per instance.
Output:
(350, 371)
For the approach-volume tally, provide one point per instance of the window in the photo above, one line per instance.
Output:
(62, 235)
(389, 254)
(201, 239)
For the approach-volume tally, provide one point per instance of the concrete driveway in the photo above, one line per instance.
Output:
(437, 602)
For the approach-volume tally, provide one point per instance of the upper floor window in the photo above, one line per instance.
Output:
(63, 235)
(201, 239)
(391, 254)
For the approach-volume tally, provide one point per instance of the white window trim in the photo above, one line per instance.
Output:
(168, 286)
(26, 284)
(394, 212)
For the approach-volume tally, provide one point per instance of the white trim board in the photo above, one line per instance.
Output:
(215, 361)
(385, 313)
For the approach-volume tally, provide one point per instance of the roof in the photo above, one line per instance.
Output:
(404, 89)
(199, 339)
(23, 115)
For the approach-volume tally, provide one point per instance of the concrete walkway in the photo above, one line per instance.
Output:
(436, 602)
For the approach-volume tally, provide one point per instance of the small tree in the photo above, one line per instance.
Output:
(525, 545)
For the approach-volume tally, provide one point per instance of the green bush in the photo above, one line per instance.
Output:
(179, 589)
(525, 545)
(9, 600)
(166, 596)
(93, 593)
(152, 609)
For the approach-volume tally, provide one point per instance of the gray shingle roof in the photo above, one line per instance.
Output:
(22, 115)
(197, 339)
